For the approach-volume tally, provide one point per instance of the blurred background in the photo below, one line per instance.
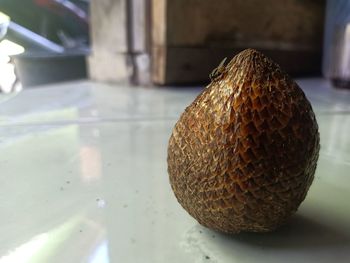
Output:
(43, 41)
(158, 42)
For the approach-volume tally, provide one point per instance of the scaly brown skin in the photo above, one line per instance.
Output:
(243, 155)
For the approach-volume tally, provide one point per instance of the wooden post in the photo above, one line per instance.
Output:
(119, 36)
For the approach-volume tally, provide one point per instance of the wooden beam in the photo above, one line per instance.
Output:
(191, 37)
(192, 65)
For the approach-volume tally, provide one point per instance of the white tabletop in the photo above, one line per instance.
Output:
(84, 179)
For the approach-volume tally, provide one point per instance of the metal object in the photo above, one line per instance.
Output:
(24, 35)
(336, 58)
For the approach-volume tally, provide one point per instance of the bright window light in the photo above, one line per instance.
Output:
(10, 48)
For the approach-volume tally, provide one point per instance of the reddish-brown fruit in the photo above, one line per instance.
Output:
(243, 155)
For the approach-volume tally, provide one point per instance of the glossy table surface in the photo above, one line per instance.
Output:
(84, 179)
